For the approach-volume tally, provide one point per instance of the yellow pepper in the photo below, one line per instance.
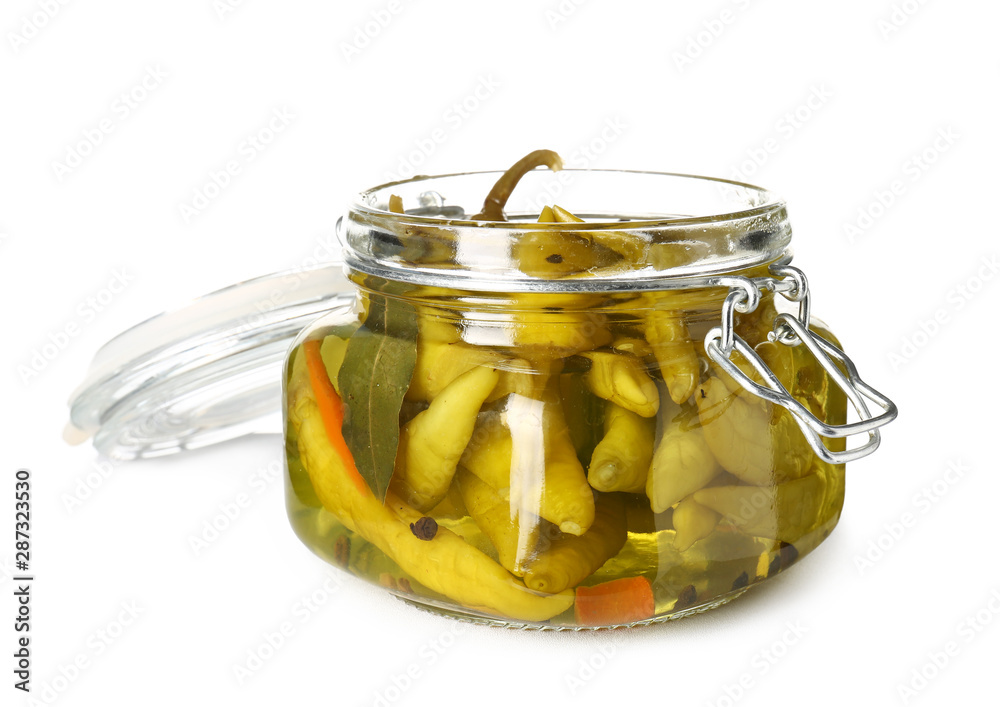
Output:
(621, 459)
(488, 454)
(785, 511)
(620, 378)
(557, 253)
(570, 559)
(682, 464)
(441, 358)
(513, 537)
(737, 428)
(693, 522)
(668, 336)
(632, 247)
(526, 454)
(547, 478)
(431, 444)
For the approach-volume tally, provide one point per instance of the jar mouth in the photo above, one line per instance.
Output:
(676, 226)
(758, 201)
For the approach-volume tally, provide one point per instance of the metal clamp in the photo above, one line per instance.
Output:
(795, 287)
(792, 331)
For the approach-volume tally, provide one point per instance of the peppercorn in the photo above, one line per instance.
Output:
(424, 528)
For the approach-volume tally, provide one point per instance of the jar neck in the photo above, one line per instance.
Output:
(699, 308)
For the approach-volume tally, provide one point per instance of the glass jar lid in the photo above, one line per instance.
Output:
(204, 373)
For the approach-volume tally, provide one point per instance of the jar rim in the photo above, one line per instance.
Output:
(682, 225)
(771, 200)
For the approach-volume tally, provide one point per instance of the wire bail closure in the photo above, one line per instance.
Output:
(721, 341)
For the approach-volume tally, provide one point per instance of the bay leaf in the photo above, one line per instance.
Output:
(373, 379)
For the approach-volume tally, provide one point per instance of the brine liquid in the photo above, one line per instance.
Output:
(714, 568)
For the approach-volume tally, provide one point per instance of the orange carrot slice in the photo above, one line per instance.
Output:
(620, 601)
(331, 409)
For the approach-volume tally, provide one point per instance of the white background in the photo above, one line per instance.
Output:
(886, 84)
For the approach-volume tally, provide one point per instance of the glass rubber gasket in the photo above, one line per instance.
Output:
(204, 373)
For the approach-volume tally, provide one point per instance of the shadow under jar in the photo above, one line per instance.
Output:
(567, 424)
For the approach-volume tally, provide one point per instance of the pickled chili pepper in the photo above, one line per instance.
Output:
(783, 511)
(622, 458)
(546, 475)
(513, 537)
(501, 191)
(552, 253)
(488, 455)
(620, 378)
(420, 244)
(432, 443)
(331, 411)
(682, 464)
(569, 559)
(668, 336)
(759, 442)
(447, 564)
(548, 327)
(557, 325)
(533, 464)
(614, 603)
(631, 247)
(736, 426)
(693, 522)
(441, 358)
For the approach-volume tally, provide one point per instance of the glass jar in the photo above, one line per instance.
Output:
(614, 421)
